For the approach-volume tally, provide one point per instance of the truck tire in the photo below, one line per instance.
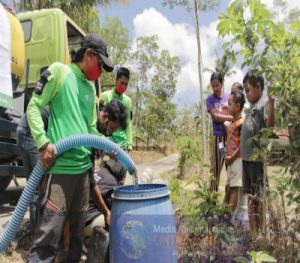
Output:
(4, 182)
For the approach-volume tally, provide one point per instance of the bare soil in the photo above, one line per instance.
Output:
(17, 252)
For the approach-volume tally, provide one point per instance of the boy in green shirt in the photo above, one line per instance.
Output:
(121, 137)
(72, 103)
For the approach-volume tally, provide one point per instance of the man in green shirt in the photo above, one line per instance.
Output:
(72, 104)
(121, 137)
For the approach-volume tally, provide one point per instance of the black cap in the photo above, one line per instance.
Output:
(96, 42)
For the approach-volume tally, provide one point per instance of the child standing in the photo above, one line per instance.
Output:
(236, 103)
(260, 115)
(237, 86)
(217, 107)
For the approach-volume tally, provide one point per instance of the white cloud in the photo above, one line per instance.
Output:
(290, 5)
(180, 40)
(238, 77)
(281, 14)
(151, 22)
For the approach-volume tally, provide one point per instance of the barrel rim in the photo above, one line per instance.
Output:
(140, 197)
(124, 188)
(127, 192)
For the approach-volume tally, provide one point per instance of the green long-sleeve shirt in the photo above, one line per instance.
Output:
(121, 137)
(71, 100)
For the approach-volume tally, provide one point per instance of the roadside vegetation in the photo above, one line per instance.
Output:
(257, 38)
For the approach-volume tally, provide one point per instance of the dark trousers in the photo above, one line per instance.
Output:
(67, 198)
(29, 152)
(30, 157)
(217, 162)
(253, 178)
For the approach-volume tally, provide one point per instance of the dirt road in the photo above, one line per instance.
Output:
(10, 197)
(8, 201)
(160, 166)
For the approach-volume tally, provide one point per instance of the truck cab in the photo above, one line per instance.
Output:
(48, 35)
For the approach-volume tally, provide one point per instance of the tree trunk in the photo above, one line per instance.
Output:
(148, 139)
(200, 69)
(137, 113)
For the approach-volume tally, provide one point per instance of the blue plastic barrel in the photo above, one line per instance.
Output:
(142, 225)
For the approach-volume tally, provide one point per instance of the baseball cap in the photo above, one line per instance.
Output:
(96, 42)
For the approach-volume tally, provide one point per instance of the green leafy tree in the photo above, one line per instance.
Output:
(272, 47)
(166, 70)
(186, 122)
(268, 46)
(83, 12)
(142, 60)
(163, 87)
(117, 38)
(281, 12)
(203, 5)
(116, 35)
(188, 141)
(156, 77)
(158, 120)
(223, 65)
(189, 149)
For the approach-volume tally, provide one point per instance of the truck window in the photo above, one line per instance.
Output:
(75, 38)
(27, 27)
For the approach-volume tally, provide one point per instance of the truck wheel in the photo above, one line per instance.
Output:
(4, 182)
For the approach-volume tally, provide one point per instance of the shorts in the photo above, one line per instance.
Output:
(235, 174)
(253, 174)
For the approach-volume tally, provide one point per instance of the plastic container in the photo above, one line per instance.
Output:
(142, 225)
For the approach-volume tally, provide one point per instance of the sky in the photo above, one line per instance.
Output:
(175, 30)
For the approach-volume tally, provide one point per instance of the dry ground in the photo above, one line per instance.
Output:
(17, 253)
